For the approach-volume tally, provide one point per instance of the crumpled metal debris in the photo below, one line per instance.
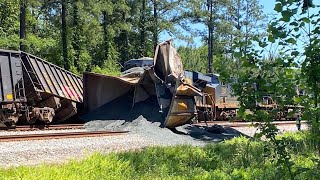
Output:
(164, 81)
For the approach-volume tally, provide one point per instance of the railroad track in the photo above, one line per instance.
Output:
(45, 136)
(246, 124)
(36, 127)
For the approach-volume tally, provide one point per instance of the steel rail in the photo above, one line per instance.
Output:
(246, 124)
(43, 127)
(45, 136)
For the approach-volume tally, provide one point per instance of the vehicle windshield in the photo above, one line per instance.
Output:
(138, 63)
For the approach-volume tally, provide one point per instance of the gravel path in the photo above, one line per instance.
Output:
(142, 134)
(250, 131)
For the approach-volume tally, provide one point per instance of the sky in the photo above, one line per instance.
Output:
(268, 6)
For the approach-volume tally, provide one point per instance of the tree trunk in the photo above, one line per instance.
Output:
(105, 38)
(76, 34)
(22, 23)
(143, 29)
(123, 42)
(64, 35)
(210, 36)
(155, 28)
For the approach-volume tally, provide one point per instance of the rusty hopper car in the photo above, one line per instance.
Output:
(51, 90)
(36, 89)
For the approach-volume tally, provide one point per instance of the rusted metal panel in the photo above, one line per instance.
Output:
(52, 79)
(102, 89)
(183, 105)
(168, 67)
(167, 62)
(52, 90)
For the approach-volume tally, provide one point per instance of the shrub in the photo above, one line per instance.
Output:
(110, 67)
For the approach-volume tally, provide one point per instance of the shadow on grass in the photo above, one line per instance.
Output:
(201, 133)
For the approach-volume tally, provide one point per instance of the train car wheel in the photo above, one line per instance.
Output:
(32, 120)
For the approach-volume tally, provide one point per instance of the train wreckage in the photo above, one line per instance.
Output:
(34, 90)
(164, 92)
(164, 83)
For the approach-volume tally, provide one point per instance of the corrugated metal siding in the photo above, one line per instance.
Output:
(52, 79)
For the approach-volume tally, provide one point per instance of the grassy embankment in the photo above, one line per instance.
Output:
(238, 158)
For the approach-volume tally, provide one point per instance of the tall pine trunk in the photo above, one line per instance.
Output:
(76, 34)
(210, 36)
(143, 29)
(105, 38)
(64, 35)
(155, 28)
(123, 42)
(22, 23)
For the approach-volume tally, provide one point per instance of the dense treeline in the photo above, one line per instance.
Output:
(82, 35)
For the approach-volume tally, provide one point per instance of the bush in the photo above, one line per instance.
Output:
(110, 67)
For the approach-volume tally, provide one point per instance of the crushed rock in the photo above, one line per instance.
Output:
(186, 134)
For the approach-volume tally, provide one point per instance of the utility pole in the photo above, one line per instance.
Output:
(210, 36)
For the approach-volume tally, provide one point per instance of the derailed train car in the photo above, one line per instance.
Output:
(33, 89)
(160, 86)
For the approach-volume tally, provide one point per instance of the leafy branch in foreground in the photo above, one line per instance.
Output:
(280, 77)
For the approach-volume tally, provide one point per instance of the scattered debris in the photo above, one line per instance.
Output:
(216, 129)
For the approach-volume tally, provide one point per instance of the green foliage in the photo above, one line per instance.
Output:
(279, 77)
(194, 59)
(9, 16)
(238, 158)
(110, 67)
(299, 26)
(126, 31)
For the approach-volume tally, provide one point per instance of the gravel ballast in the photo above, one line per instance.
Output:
(143, 133)
(186, 134)
(61, 150)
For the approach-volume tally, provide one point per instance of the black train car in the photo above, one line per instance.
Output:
(12, 93)
(33, 89)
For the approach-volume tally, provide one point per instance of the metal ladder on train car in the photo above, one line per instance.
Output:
(20, 91)
(31, 73)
